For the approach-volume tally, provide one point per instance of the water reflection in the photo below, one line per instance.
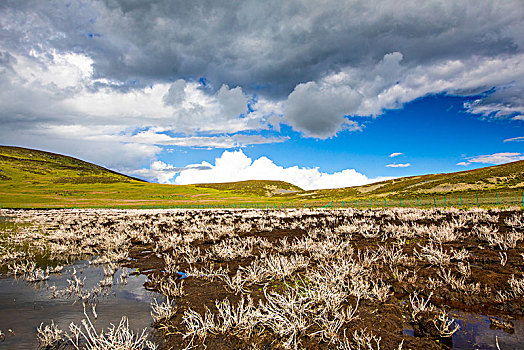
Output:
(475, 333)
(24, 306)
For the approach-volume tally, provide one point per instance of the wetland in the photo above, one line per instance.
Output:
(397, 278)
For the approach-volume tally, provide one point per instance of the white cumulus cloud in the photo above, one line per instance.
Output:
(396, 154)
(236, 166)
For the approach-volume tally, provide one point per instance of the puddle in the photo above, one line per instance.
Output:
(408, 330)
(475, 333)
(24, 306)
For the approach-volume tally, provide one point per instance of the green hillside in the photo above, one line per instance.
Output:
(504, 178)
(31, 178)
(23, 165)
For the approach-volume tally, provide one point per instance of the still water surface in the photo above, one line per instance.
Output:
(23, 305)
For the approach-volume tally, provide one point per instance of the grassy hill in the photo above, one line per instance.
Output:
(489, 186)
(31, 178)
(20, 165)
(260, 188)
(502, 178)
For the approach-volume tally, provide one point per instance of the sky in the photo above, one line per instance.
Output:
(320, 94)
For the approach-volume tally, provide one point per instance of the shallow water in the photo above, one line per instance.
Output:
(475, 333)
(23, 306)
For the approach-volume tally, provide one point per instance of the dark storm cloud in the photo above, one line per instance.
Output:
(310, 100)
(272, 45)
(84, 70)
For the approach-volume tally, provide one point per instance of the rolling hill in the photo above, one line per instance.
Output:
(32, 178)
(503, 178)
(266, 188)
(20, 165)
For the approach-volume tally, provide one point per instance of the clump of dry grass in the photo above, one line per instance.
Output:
(162, 311)
(419, 304)
(446, 326)
(50, 335)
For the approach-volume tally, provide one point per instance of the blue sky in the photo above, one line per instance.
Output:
(320, 96)
(435, 133)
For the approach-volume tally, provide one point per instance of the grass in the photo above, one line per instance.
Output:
(36, 179)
